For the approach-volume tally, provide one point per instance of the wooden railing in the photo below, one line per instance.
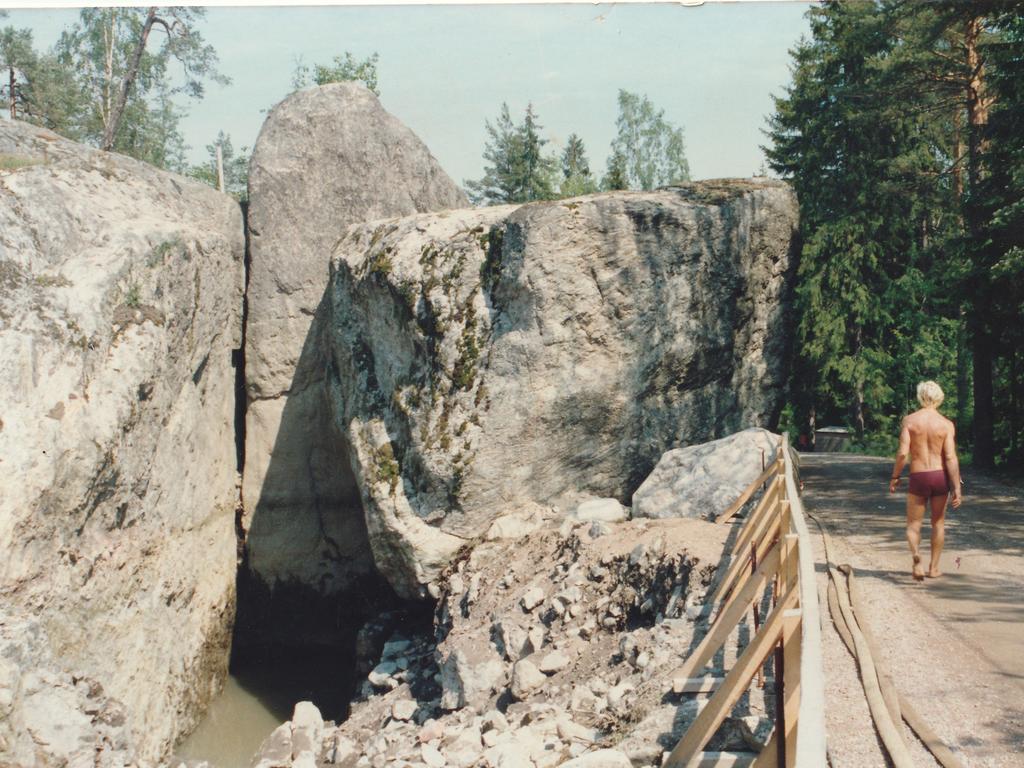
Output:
(771, 563)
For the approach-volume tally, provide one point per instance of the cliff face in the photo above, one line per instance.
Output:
(326, 158)
(480, 360)
(119, 312)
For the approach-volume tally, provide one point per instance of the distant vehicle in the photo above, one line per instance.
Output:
(832, 439)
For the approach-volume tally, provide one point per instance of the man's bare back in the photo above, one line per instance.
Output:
(928, 439)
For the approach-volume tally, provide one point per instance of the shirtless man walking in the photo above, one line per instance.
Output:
(928, 438)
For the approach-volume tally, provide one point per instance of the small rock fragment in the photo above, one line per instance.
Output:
(534, 596)
(554, 662)
(526, 678)
(403, 709)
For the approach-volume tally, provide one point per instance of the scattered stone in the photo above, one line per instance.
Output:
(343, 752)
(432, 756)
(307, 728)
(526, 678)
(432, 730)
(469, 676)
(533, 597)
(568, 730)
(603, 510)
(276, 749)
(381, 676)
(535, 639)
(403, 709)
(554, 662)
(602, 758)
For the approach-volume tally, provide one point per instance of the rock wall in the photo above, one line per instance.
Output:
(484, 359)
(120, 296)
(326, 158)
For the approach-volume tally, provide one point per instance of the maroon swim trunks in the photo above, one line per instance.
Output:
(928, 484)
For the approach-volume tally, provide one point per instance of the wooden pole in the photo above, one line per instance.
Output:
(220, 169)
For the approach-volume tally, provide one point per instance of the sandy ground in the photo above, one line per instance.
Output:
(955, 645)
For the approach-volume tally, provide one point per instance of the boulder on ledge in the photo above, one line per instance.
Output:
(482, 359)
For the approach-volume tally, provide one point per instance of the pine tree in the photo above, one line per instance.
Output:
(517, 169)
(576, 176)
(127, 83)
(616, 175)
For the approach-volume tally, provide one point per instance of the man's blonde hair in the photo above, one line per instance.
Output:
(929, 394)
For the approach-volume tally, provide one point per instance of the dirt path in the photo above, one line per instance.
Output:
(955, 644)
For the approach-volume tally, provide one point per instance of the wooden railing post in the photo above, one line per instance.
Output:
(767, 554)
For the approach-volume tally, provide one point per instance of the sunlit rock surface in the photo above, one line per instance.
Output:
(326, 158)
(120, 296)
(480, 360)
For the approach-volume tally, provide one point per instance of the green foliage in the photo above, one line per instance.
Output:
(576, 177)
(388, 470)
(15, 162)
(651, 149)
(911, 214)
(18, 60)
(120, 62)
(133, 296)
(236, 167)
(616, 175)
(518, 171)
(341, 69)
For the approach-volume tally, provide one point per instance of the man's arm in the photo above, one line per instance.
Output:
(901, 456)
(952, 464)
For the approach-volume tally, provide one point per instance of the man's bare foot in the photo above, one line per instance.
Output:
(918, 570)
(934, 573)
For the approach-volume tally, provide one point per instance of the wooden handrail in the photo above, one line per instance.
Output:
(771, 553)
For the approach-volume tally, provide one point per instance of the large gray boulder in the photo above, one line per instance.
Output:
(326, 158)
(704, 480)
(548, 353)
(120, 295)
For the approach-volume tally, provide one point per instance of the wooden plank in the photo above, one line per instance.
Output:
(739, 568)
(706, 684)
(735, 507)
(722, 760)
(767, 505)
(727, 619)
(736, 682)
(791, 650)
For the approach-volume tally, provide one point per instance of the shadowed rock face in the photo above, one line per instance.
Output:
(326, 158)
(483, 359)
(120, 296)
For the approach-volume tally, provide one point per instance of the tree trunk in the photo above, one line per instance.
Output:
(1014, 403)
(858, 386)
(978, 102)
(13, 100)
(984, 445)
(963, 376)
(114, 122)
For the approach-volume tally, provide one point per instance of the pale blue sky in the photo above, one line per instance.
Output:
(445, 69)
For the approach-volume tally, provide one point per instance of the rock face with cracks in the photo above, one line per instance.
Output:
(548, 353)
(326, 158)
(120, 297)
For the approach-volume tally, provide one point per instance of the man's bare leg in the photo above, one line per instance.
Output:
(938, 504)
(915, 514)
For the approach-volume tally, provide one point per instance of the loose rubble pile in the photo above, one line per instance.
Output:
(554, 649)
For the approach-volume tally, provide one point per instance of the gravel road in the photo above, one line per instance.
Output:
(955, 645)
